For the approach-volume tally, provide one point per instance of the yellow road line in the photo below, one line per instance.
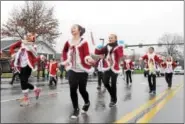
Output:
(147, 117)
(132, 114)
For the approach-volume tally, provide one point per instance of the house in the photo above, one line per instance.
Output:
(42, 47)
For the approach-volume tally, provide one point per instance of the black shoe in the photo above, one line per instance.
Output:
(112, 104)
(75, 113)
(98, 87)
(150, 91)
(11, 83)
(85, 107)
(154, 92)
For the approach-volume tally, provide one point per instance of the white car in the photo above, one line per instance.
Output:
(178, 70)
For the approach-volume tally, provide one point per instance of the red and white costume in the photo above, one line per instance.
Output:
(30, 51)
(128, 65)
(112, 59)
(152, 56)
(169, 65)
(82, 52)
(53, 67)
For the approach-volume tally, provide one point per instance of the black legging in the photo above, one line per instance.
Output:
(78, 79)
(113, 88)
(24, 75)
(168, 77)
(100, 78)
(128, 76)
(152, 82)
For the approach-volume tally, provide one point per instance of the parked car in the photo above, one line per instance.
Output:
(178, 70)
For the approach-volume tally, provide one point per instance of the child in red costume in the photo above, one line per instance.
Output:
(113, 54)
(53, 68)
(128, 67)
(25, 58)
(152, 59)
(169, 66)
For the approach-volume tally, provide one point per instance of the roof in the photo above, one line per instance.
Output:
(6, 43)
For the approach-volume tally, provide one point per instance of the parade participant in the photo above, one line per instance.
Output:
(99, 65)
(113, 54)
(152, 59)
(15, 71)
(128, 67)
(77, 61)
(53, 68)
(47, 69)
(26, 58)
(169, 66)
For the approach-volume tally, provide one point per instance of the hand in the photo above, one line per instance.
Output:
(90, 61)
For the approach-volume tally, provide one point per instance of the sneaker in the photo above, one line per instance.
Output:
(112, 104)
(11, 83)
(154, 92)
(150, 91)
(75, 113)
(25, 101)
(37, 93)
(85, 107)
(98, 87)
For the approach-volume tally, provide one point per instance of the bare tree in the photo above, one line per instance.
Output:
(32, 16)
(172, 50)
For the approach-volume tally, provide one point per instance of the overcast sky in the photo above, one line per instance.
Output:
(132, 21)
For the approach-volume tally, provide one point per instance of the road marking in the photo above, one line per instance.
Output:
(134, 113)
(19, 99)
(148, 116)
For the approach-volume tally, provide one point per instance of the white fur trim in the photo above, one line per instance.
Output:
(80, 44)
(112, 67)
(25, 91)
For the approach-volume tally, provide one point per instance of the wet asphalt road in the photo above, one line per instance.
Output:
(58, 108)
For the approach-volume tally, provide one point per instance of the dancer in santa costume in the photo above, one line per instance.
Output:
(25, 58)
(99, 65)
(128, 67)
(113, 54)
(77, 61)
(152, 59)
(169, 66)
(53, 68)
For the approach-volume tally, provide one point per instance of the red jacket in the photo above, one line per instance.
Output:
(32, 59)
(128, 65)
(53, 69)
(82, 50)
(154, 58)
(164, 64)
(116, 55)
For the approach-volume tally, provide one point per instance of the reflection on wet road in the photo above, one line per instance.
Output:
(132, 102)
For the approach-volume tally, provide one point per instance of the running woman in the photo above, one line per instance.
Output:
(152, 59)
(77, 61)
(113, 54)
(25, 58)
(128, 67)
(169, 66)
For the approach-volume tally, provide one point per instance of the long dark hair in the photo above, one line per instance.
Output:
(81, 29)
